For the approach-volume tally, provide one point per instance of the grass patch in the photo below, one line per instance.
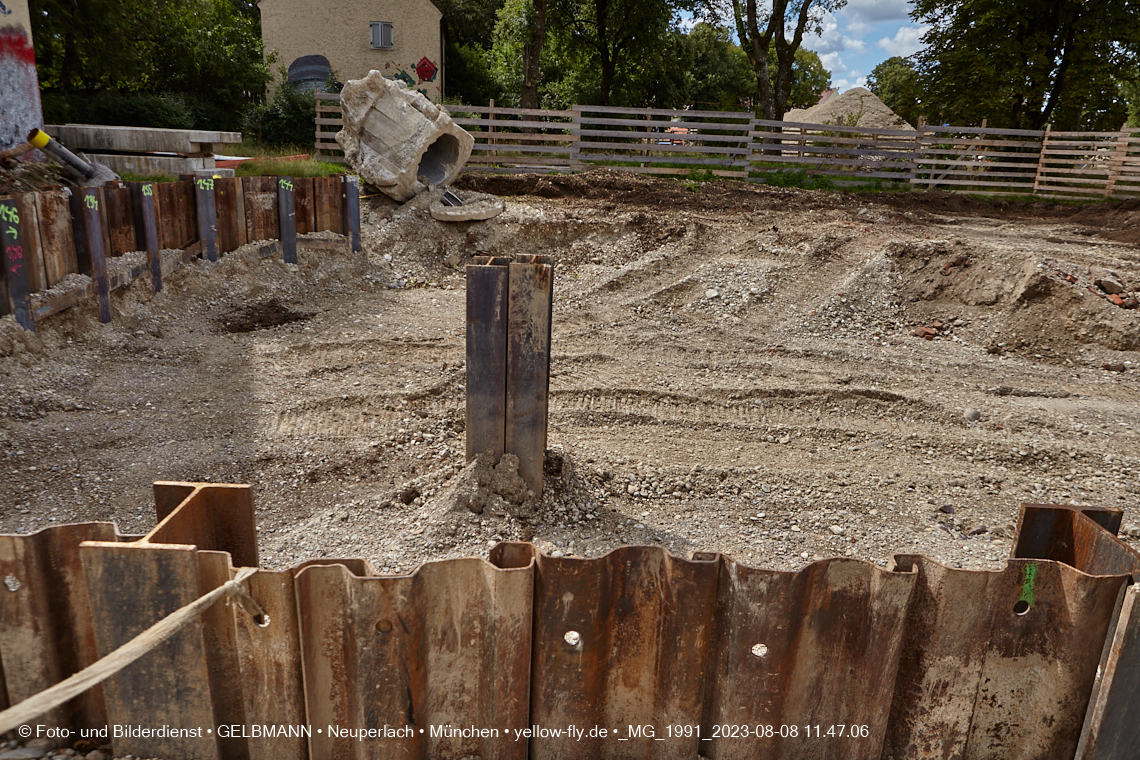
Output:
(308, 168)
(798, 178)
(254, 149)
(132, 177)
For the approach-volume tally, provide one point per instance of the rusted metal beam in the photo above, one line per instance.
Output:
(998, 664)
(1085, 538)
(487, 293)
(15, 262)
(287, 219)
(796, 650)
(448, 646)
(528, 367)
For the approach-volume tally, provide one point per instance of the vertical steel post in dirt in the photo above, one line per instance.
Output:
(487, 292)
(207, 216)
(146, 229)
(93, 244)
(15, 263)
(508, 360)
(287, 219)
(528, 366)
(352, 210)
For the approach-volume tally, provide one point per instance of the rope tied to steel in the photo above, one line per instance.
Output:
(105, 667)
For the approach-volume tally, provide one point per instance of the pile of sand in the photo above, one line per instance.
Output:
(858, 107)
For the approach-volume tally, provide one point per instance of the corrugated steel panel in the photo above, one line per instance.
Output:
(998, 664)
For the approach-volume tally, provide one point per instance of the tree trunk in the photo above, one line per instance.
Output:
(608, 58)
(532, 56)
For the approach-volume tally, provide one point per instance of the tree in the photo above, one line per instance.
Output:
(895, 82)
(206, 54)
(758, 31)
(1023, 65)
(809, 78)
(720, 75)
(615, 31)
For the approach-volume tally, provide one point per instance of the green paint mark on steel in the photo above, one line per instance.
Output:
(1029, 584)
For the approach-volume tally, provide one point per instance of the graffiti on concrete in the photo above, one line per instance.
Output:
(426, 70)
(19, 87)
(5, 10)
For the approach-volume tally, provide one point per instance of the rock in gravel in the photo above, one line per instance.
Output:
(507, 482)
(1110, 285)
(711, 293)
(24, 753)
(972, 415)
(838, 530)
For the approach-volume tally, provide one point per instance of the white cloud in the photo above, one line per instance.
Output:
(874, 11)
(842, 85)
(831, 41)
(907, 40)
(833, 63)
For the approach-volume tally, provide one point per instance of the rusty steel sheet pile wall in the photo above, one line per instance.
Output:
(67, 231)
(914, 660)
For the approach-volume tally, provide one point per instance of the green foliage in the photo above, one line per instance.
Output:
(1023, 65)
(1131, 92)
(132, 177)
(124, 109)
(798, 178)
(208, 53)
(469, 22)
(285, 119)
(809, 78)
(470, 77)
(269, 167)
(895, 82)
(720, 76)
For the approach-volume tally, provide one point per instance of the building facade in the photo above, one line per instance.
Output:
(402, 39)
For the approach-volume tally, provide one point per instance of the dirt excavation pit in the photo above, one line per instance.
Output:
(775, 374)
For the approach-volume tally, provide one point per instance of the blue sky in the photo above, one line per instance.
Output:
(862, 35)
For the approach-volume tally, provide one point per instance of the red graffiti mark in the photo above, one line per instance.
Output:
(16, 269)
(426, 70)
(15, 44)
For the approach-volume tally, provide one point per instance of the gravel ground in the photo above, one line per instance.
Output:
(734, 370)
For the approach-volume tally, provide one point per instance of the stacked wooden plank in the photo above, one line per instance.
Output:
(517, 140)
(330, 118)
(663, 141)
(846, 155)
(978, 159)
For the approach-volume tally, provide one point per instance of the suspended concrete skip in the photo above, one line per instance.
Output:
(637, 654)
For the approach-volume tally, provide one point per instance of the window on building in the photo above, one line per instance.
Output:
(382, 38)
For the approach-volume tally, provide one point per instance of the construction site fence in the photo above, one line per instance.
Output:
(702, 144)
(59, 233)
(634, 655)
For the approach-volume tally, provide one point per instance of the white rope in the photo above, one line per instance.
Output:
(102, 669)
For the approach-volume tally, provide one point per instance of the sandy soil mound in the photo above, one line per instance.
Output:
(857, 107)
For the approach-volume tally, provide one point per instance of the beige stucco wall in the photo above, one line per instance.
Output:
(340, 31)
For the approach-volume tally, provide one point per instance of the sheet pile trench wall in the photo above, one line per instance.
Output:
(669, 656)
(62, 228)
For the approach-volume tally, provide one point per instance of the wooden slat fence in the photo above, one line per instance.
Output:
(846, 155)
(517, 140)
(660, 141)
(246, 207)
(1058, 165)
(330, 118)
(978, 159)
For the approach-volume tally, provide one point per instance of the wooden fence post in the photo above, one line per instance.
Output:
(576, 134)
(287, 219)
(1041, 159)
(919, 151)
(1116, 166)
(15, 262)
(491, 125)
(146, 230)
